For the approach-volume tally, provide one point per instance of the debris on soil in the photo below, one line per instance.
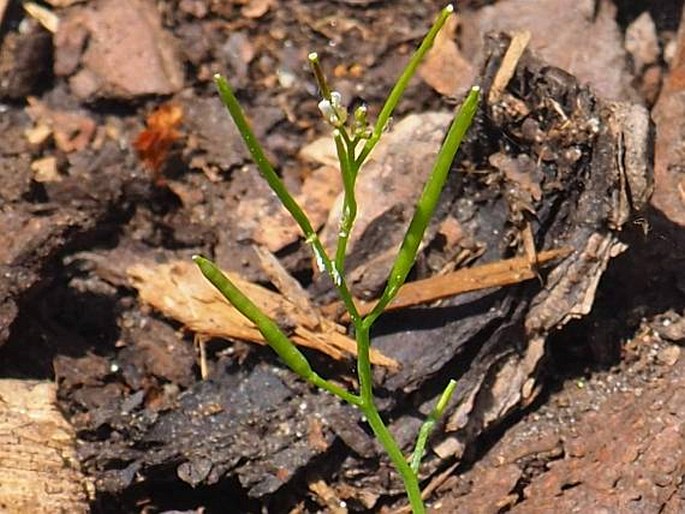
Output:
(670, 326)
(642, 42)
(23, 58)
(276, 230)
(581, 195)
(496, 339)
(71, 130)
(583, 40)
(554, 167)
(496, 274)
(444, 68)
(117, 49)
(180, 292)
(613, 443)
(153, 143)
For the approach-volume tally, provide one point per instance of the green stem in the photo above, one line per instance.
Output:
(334, 389)
(411, 481)
(273, 335)
(349, 208)
(429, 424)
(350, 163)
(380, 430)
(275, 183)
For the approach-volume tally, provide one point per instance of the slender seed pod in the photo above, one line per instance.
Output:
(427, 202)
(273, 335)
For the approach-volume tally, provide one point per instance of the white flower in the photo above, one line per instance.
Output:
(328, 112)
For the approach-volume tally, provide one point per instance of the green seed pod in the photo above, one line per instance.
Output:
(273, 335)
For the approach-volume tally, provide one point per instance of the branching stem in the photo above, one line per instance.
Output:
(351, 159)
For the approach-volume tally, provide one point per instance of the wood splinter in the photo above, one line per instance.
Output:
(495, 274)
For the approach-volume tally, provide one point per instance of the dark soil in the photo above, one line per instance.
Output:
(79, 207)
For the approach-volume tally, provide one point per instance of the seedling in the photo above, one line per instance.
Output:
(354, 140)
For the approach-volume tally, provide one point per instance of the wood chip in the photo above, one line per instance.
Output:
(39, 470)
(445, 69)
(179, 291)
(45, 170)
(495, 274)
(519, 42)
(328, 497)
(287, 285)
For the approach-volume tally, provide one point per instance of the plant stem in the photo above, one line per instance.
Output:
(409, 478)
(380, 430)
(273, 335)
(333, 388)
(350, 164)
(429, 424)
(349, 209)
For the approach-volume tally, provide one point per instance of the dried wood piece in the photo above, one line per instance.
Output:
(39, 471)
(585, 41)
(48, 19)
(288, 286)
(179, 290)
(328, 497)
(617, 448)
(496, 274)
(519, 42)
(669, 194)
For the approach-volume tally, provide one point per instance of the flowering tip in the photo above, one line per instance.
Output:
(313, 56)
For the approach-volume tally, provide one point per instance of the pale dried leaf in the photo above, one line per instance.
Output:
(286, 284)
(178, 290)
